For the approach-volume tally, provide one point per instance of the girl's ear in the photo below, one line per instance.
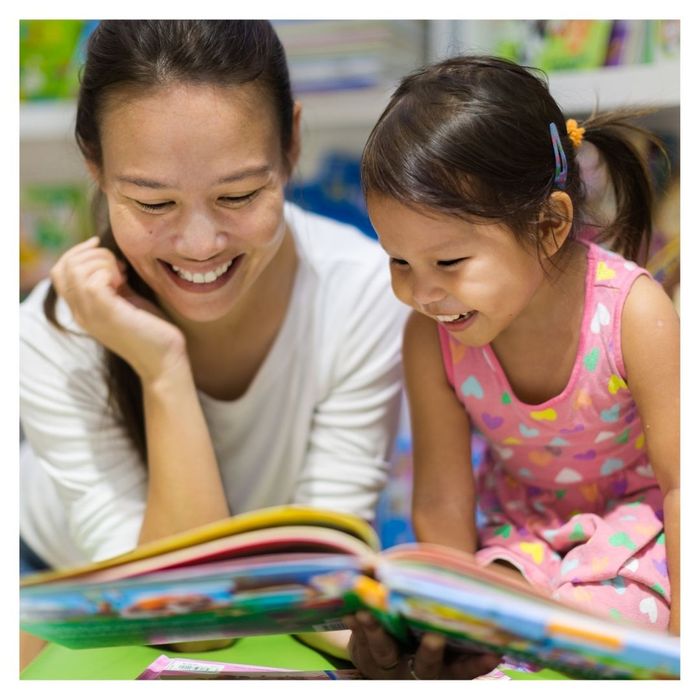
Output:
(555, 222)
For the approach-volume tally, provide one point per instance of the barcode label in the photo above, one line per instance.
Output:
(330, 626)
(194, 667)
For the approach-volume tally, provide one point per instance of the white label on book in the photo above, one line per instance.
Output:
(194, 667)
(330, 626)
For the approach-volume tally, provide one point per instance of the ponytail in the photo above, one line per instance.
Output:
(613, 135)
(125, 395)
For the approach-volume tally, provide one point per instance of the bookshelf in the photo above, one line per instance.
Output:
(341, 114)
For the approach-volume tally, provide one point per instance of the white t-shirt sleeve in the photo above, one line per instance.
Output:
(77, 445)
(355, 422)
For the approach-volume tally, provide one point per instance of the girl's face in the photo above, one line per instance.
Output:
(475, 280)
(194, 179)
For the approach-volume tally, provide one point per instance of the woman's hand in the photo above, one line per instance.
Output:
(93, 283)
(377, 655)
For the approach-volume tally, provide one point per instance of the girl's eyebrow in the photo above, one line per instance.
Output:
(226, 179)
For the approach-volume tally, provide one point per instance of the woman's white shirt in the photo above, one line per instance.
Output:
(316, 425)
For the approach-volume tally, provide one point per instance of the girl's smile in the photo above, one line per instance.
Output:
(474, 279)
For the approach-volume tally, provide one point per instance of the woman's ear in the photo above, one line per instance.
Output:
(94, 172)
(295, 145)
(555, 222)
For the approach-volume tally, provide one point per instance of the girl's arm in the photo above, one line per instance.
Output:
(444, 502)
(650, 349)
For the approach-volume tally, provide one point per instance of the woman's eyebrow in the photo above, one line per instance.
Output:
(144, 182)
(226, 179)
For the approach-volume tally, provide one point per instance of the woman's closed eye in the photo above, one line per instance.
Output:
(239, 200)
(229, 201)
(152, 206)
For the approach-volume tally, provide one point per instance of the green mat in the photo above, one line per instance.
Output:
(125, 663)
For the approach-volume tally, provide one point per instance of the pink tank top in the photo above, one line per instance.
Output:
(591, 431)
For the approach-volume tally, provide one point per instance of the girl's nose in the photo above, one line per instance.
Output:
(426, 291)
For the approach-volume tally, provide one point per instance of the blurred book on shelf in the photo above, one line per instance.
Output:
(326, 55)
(50, 54)
(53, 217)
(587, 44)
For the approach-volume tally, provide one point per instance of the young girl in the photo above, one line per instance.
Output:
(563, 354)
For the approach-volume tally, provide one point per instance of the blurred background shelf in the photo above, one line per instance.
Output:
(343, 72)
(617, 86)
(576, 92)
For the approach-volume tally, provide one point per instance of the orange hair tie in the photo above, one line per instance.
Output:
(575, 132)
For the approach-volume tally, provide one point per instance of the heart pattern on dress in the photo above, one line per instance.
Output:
(472, 387)
(568, 476)
(647, 606)
(601, 317)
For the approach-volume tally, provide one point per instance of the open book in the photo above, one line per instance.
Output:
(297, 569)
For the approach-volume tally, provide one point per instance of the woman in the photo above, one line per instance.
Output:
(215, 349)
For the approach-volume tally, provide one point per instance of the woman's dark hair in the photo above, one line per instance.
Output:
(144, 54)
(470, 137)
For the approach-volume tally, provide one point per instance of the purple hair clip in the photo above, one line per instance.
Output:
(561, 169)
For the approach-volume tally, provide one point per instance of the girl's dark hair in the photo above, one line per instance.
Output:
(143, 54)
(470, 137)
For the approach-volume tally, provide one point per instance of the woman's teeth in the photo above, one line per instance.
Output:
(202, 277)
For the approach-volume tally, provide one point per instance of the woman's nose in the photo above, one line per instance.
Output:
(200, 237)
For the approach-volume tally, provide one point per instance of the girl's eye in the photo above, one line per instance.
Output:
(450, 263)
(158, 206)
(398, 262)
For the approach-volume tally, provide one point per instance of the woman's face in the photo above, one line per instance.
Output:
(194, 178)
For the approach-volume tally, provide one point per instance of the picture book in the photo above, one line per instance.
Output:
(165, 668)
(298, 569)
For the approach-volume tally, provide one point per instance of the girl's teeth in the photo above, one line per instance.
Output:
(449, 319)
(202, 278)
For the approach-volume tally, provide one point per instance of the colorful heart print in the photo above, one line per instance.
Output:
(528, 432)
(603, 272)
(647, 606)
(590, 359)
(601, 317)
(615, 383)
(472, 387)
(548, 414)
(534, 549)
(568, 476)
(492, 422)
(612, 414)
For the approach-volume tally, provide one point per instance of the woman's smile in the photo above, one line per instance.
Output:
(203, 280)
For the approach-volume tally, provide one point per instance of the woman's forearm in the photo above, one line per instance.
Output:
(184, 484)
